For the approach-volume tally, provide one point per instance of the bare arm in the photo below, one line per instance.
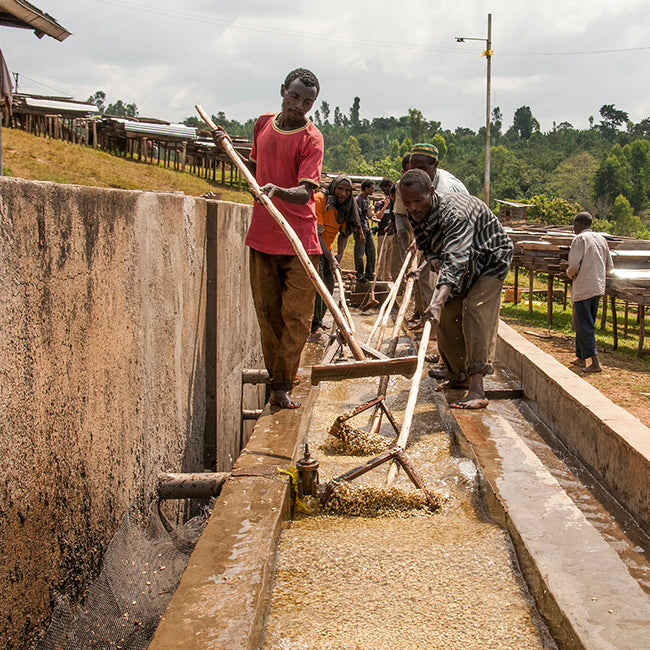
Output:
(297, 195)
(328, 254)
(438, 300)
(342, 242)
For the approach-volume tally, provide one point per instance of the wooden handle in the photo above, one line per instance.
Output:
(293, 238)
(412, 399)
(390, 300)
(344, 304)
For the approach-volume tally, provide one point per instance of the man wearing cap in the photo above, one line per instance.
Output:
(424, 156)
(475, 253)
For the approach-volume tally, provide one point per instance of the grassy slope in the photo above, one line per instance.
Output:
(36, 158)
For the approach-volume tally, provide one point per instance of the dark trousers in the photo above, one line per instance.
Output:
(467, 332)
(585, 312)
(364, 272)
(325, 272)
(284, 302)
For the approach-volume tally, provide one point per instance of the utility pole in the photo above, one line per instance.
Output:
(488, 56)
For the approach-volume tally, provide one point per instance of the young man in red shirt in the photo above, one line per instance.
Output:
(286, 159)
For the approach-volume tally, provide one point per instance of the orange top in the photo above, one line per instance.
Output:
(328, 226)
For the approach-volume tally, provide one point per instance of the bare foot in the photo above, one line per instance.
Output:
(477, 403)
(579, 362)
(432, 358)
(282, 398)
(592, 368)
(451, 385)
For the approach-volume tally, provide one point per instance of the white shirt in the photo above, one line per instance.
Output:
(446, 182)
(589, 254)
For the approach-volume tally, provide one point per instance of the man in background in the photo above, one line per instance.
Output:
(589, 263)
(364, 245)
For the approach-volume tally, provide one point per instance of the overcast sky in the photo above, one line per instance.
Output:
(563, 58)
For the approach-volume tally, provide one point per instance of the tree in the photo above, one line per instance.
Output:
(625, 223)
(610, 178)
(573, 178)
(339, 118)
(325, 111)
(552, 212)
(119, 108)
(354, 112)
(496, 123)
(99, 99)
(440, 144)
(524, 123)
(611, 120)
(417, 125)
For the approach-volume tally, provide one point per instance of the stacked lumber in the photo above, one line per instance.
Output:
(541, 256)
(631, 285)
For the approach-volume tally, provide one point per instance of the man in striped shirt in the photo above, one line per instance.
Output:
(475, 254)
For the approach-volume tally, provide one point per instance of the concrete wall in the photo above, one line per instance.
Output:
(612, 443)
(105, 370)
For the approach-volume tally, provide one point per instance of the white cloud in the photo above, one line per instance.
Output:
(233, 56)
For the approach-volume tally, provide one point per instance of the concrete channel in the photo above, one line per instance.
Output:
(542, 540)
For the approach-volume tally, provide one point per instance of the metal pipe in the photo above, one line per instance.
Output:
(255, 376)
(203, 485)
(251, 414)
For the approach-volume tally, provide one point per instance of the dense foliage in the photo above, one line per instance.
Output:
(604, 169)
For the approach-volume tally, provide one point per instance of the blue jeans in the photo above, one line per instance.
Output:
(366, 248)
(585, 312)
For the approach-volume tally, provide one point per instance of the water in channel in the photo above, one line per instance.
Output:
(444, 580)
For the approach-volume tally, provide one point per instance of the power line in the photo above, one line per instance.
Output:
(40, 83)
(197, 18)
(627, 49)
(200, 18)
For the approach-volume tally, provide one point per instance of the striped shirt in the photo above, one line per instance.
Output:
(466, 235)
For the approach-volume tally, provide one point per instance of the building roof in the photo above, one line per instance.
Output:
(53, 105)
(512, 204)
(24, 15)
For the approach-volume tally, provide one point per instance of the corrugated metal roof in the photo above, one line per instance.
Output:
(517, 205)
(179, 131)
(22, 14)
(61, 105)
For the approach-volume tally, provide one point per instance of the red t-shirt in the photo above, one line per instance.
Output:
(285, 158)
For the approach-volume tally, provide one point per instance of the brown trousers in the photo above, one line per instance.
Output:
(467, 332)
(284, 302)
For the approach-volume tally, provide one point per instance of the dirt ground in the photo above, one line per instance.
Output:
(625, 381)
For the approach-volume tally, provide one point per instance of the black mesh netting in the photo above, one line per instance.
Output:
(139, 574)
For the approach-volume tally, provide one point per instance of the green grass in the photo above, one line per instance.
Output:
(627, 347)
(37, 158)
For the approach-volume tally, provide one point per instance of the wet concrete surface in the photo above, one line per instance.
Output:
(587, 592)
(443, 580)
(451, 579)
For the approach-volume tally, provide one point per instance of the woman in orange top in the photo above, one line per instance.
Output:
(336, 214)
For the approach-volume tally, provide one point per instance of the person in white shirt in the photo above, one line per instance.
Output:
(589, 263)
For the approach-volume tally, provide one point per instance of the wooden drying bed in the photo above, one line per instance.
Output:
(548, 253)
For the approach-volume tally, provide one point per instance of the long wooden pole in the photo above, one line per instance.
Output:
(384, 322)
(344, 304)
(347, 334)
(412, 399)
(392, 347)
(387, 305)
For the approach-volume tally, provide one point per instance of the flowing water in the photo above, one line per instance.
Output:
(447, 579)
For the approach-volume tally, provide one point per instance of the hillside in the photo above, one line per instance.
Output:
(36, 158)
